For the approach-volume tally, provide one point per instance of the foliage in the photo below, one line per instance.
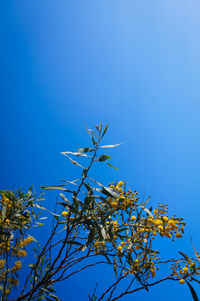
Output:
(97, 225)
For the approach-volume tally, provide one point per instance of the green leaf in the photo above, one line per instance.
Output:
(103, 158)
(110, 192)
(73, 242)
(56, 187)
(88, 200)
(64, 198)
(73, 161)
(112, 166)
(195, 252)
(105, 130)
(184, 255)
(85, 150)
(93, 141)
(3, 212)
(53, 297)
(39, 224)
(194, 295)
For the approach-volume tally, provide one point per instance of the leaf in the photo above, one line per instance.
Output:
(56, 187)
(112, 166)
(110, 146)
(73, 161)
(195, 279)
(103, 232)
(115, 266)
(195, 252)
(110, 192)
(103, 158)
(79, 154)
(64, 198)
(194, 295)
(40, 207)
(3, 212)
(54, 297)
(71, 182)
(184, 255)
(93, 141)
(85, 150)
(88, 200)
(105, 130)
(149, 212)
(39, 224)
(73, 242)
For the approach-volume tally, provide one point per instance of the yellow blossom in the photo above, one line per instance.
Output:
(2, 263)
(120, 249)
(120, 184)
(114, 204)
(181, 281)
(64, 213)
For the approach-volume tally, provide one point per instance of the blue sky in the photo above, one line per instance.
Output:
(132, 64)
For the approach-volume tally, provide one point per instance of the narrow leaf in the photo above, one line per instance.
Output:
(79, 154)
(56, 187)
(184, 255)
(73, 161)
(194, 295)
(64, 198)
(112, 166)
(85, 150)
(103, 158)
(73, 242)
(110, 146)
(105, 130)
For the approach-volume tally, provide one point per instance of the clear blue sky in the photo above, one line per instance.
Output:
(133, 64)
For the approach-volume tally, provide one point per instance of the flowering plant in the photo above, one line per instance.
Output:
(96, 224)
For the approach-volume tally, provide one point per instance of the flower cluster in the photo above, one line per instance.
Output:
(15, 219)
(185, 270)
(126, 229)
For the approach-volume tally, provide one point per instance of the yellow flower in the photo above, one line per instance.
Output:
(21, 253)
(123, 243)
(181, 281)
(185, 269)
(165, 218)
(114, 204)
(167, 234)
(2, 263)
(64, 213)
(158, 222)
(16, 267)
(96, 244)
(133, 218)
(120, 184)
(120, 249)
